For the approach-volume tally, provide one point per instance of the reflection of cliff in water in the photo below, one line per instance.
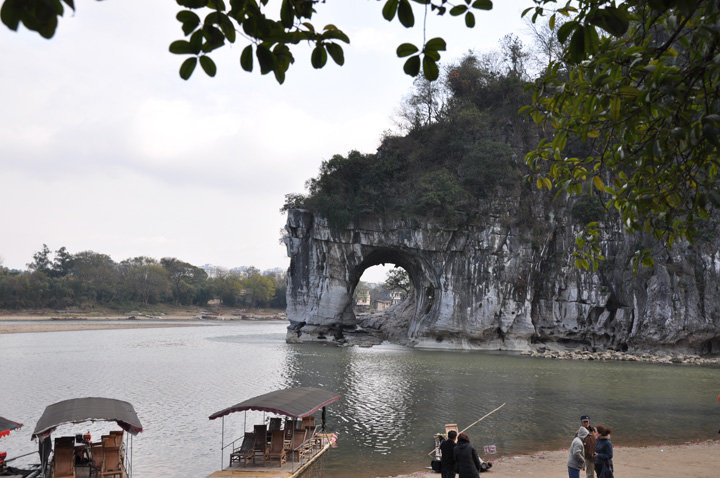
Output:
(376, 390)
(395, 398)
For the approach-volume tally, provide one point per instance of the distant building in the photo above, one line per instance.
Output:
(362, 300)
(382, 304)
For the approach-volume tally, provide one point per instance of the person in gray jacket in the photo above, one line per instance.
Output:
(576, 460)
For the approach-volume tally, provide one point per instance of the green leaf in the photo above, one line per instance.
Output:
(565, 30)
(228, 28)
(628, 91)
(318, 57)
(469, 20)
(336, 52)
(412, 65)
(208, 65)
(287, 15)
(189, 19)
(430, 69)
(181, 47)
(433, 54)
(406, 49)
(246, 58)
(266, 59)
(576, 49)
(192, 3)
(196, 42)
(187, 68)
(283, 57)
(10, 15)
(215, 38)
(598, 183)
(591, 40)
(613, 20)
(458, 10)
(47, 29)
(389, 9)
(484, 5)
(334, 33)
(405, 14)
(279, 75)
(435, 44)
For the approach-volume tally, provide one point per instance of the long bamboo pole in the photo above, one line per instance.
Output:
(473, 424)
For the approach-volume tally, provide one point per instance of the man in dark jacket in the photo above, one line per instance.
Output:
(447, 459)
(589, 442)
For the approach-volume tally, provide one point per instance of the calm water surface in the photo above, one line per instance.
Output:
(393, 398)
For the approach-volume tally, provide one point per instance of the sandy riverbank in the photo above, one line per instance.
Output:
(28, 323)
(33, 326)
(691, 460)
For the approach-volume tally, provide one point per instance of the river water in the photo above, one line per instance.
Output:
(393, 398)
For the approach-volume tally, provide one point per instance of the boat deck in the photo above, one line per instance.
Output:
(288, 470)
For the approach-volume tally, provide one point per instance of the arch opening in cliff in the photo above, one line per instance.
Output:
(394, 322)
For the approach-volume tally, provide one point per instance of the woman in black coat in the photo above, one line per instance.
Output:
(467, 463)
(604, 453)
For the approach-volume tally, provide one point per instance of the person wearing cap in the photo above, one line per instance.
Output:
(589, 443)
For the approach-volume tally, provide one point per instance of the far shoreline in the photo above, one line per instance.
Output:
(699, 459)
(38, 322)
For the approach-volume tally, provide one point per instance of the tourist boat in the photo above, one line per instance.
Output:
(278, 448)
(78, 456)
(6, 426)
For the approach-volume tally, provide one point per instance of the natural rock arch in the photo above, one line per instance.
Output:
(499, 283)
(323, 277)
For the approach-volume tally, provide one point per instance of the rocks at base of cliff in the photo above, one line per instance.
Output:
(612, 355)
(303, 333)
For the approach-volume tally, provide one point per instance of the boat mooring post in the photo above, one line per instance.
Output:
(131, 454)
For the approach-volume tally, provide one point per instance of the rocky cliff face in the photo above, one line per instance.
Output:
(504, 280)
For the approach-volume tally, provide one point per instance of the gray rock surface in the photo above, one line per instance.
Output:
(504, 280)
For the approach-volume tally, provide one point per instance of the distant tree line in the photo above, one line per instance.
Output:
(89, 279)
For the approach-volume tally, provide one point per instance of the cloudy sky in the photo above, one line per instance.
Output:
(103, 147)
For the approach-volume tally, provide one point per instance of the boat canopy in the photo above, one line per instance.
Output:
(6, 426)
(77, 410)
(292, 402)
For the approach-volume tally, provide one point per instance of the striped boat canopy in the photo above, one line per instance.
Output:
(6, 426)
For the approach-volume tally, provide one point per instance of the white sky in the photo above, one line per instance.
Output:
(103, 147)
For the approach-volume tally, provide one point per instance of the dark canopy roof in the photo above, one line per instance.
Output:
(78, 410)
(7, 425)
(292, 402)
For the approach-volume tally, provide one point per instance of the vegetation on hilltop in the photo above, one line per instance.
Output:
(464, 142)
(89, 279)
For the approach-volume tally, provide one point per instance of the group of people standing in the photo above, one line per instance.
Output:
(459, 456)
(592, 450)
